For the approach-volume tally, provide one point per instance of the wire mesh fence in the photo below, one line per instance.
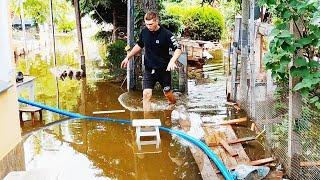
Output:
(306, 152)
(297, 148)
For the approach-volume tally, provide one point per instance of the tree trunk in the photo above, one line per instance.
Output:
(79, 34)
(131, 83)
(114, 23)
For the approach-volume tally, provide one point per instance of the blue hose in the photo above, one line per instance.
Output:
(52, 109)
(224, 171)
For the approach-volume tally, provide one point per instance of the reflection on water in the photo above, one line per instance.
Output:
(206, 102)
(92, 149)
(99, 149)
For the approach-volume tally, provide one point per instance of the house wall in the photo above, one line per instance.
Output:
(10, 132)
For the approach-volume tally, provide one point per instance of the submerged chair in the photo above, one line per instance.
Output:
(32, 110)
(147, 127)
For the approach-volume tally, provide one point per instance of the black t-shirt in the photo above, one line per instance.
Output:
(157, 46)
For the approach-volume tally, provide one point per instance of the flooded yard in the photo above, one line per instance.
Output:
(97, 149)
(108, 150)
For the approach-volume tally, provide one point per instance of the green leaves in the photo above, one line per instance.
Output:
(314, 99)
(301, 48)
(284, 34)
(300, 61)
(287, 14)
(305, 41)
(314, 64)
(203, 23)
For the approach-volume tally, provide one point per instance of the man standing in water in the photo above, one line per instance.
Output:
(156, 40)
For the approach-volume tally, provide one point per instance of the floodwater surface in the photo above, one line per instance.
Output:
(87, 149)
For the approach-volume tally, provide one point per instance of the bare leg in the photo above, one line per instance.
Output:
(147, 94)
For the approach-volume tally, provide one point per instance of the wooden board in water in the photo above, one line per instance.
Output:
(226, 132)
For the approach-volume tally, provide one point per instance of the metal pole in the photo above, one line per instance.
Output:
(53, 36)
(252, 39)
(290, 112)
(243, 90)
(79, 33)
(235, 47)
(130, 35)
(23, 25)
(294, 112)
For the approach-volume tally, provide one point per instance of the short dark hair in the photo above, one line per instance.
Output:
(151, 15)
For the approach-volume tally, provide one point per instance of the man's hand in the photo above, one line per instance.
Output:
(171, 66)
(124, 63)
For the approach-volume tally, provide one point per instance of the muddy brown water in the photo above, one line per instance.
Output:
(95, 149)
(100, 149)
(107, 150)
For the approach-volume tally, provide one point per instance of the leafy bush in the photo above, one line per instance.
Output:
(171, 22)
(116, 53)
(103, 36)
(66, 25)
(301, 47)
(203, 23)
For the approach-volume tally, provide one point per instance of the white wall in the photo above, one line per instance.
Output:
(10, 133)
(6, 67)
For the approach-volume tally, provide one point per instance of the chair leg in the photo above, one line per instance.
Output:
(40, 115)
(33, 118)
(20, 117)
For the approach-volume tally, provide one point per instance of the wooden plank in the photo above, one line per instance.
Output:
(209, 136)
(243, 157)
(206, 131)
(262, 161)
(204, 164)
(241, 140)
(108, 112)
(237, 107)
(226, 133)
(226, 146)
(225, 154)
(229, 161)
(254, 163)
(234, 121)
(309, 163)
(230, 103)
(227, 122)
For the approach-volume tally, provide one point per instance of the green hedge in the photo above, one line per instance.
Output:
(66, 25)
(171, 22)
(203, 23)
(116, 53)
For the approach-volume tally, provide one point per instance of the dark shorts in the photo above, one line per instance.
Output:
(150, 79)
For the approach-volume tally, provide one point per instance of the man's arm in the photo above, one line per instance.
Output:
(133, 52)
(172, 64)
